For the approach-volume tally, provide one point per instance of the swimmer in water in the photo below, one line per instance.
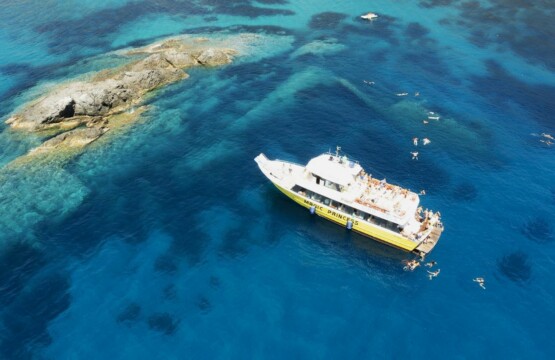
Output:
(480, 282)
(425, 121)
(430, 264)
(411, 265)
(426, 141)
(433, 274)
(414, 155)
(422, 192)
(548, 136)
(415, 141)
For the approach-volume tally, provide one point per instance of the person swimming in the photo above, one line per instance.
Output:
(415, 141)
(426, 141)
(433, 274)
(410, 265)
(480, 282)
(430, 264)
(414, 155)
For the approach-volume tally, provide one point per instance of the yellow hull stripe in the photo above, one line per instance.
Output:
(359, 226)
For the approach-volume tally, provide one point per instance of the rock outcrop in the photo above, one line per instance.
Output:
(71, 106)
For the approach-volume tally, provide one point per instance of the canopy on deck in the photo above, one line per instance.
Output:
(337, 170)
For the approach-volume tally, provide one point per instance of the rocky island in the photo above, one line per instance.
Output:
(78, 112)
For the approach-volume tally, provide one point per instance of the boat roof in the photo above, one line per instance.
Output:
(336, 169)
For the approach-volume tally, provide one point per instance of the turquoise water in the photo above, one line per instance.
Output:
(165, 241)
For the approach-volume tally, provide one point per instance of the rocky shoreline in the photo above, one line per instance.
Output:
(79, 112)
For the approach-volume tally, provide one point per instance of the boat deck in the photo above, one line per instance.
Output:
(427, 245)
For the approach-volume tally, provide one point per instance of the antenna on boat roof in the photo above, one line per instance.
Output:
(337, 150)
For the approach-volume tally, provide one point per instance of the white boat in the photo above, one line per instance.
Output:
(338, 189)
(369, 16)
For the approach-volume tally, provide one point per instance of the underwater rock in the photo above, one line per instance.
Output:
(166, 264)
(19, 262)
(163, 322)
(465, 192)
(319, 47)
(204, 304)
(170, 292)
(326, 20)
(538, 230)
(515, 266)
(26, 320)
(129, 314)
(214, 281)
(74, 138)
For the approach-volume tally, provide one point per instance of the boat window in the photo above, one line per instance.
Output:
(331, 185)
(326, 201)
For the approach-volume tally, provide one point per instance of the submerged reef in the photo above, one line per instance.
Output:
(515, 266)
(538, 229)
(129, 314)
(465, 192)
(163, 322)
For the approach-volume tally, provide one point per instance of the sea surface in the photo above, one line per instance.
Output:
(165, 241)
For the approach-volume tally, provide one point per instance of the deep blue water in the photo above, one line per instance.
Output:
(166, 242)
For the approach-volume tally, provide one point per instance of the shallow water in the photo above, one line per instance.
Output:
(163, 240)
